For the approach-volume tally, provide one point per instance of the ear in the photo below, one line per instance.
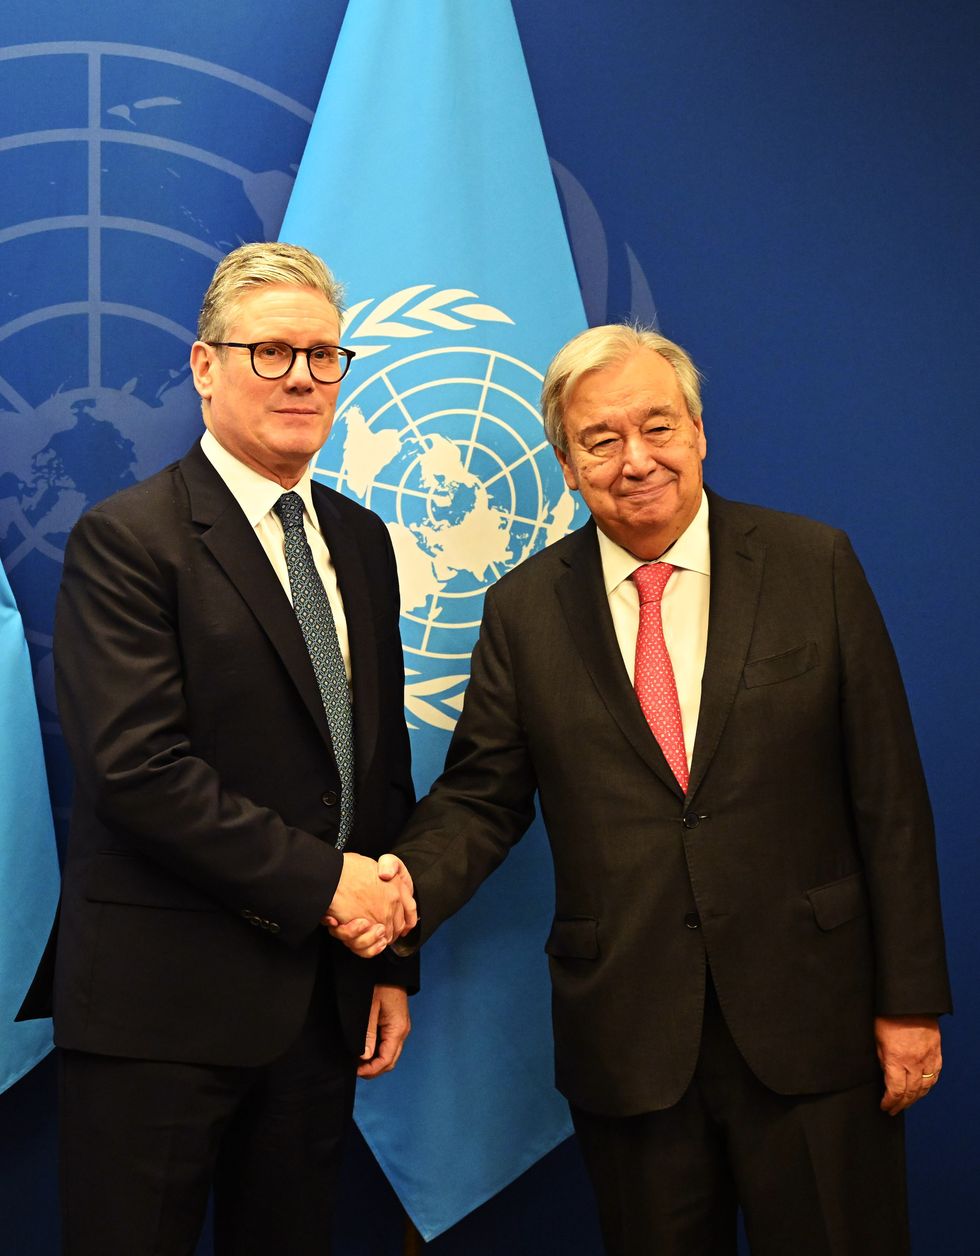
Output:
(567, 470)
(203, 358)
(702, 443)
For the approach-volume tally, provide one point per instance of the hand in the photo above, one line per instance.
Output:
(375, 900)
(910, 1054)
(388, 1026)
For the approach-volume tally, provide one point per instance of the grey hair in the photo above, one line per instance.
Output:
(597, 348)
(251, 265)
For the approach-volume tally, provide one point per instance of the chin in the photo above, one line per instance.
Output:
(298, 449)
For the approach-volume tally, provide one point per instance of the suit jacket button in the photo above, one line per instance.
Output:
(273, 927)
(692, 920)
(691, 820)
(329, 799)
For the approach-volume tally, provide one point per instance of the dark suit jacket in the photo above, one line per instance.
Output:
(201, 854)
(801, 863)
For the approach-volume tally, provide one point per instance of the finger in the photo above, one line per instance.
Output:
(361, 937)
(892, 1104)
(390, 866)
(351, 929)
(894, 1097)
(397, 917)
(904, 1096)
(406, 912)
(388, 1050)
(355, 930)
(396, 1054)
(379, 1061)
(370, 1068)
(371, 1032)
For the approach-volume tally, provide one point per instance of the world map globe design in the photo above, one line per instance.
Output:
(128, 172)
(110, 413)
(448, 447)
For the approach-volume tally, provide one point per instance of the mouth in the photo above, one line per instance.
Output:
(646, 491)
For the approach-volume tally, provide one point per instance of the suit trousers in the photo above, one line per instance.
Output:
(143, 1142)
(814, 1175)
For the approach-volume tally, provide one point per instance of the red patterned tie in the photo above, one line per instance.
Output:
(654, 679)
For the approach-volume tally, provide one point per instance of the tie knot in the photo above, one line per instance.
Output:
(651, 580)
(289, 508)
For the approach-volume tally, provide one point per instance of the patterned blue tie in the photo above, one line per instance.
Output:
(312, 607)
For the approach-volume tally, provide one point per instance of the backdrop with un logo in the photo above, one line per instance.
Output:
(790, 190)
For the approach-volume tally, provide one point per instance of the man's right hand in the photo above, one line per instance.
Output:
(372, 905)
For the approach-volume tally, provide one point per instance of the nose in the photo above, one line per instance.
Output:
(639, 459)
(298, 375)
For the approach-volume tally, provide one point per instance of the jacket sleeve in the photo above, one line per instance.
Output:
(484, 801)
(890, 804)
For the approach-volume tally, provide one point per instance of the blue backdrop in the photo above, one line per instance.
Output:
(793, 191)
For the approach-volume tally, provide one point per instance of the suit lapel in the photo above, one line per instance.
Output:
(238, 551)
(581, 592)
(737, 564)
(356, 594)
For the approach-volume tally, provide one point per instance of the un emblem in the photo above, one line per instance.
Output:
(446, 445)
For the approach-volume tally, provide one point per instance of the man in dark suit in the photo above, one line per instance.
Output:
(233, 754)
(747, 928)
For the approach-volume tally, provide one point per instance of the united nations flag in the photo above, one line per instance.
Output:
(28, 857)
(426, 187)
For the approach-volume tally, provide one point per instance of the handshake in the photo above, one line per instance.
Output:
(373, 904)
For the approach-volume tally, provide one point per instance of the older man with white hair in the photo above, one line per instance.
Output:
(747, 953)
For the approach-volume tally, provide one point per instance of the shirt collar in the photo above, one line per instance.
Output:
(691, 551)
(254, 493)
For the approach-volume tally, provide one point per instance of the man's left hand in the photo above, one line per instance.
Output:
(911, 1058)
(388, 1027)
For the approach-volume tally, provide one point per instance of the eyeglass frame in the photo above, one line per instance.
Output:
(348, 355)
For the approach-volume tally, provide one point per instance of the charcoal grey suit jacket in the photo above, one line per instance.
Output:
(800, 864)
(201, 854)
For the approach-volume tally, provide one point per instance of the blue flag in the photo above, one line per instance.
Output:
(426, 187)
(28, 855)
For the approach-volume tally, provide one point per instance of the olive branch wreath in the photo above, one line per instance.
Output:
(445, 309)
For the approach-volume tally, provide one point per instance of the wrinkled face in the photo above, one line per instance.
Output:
(274, 426)
(634, 452)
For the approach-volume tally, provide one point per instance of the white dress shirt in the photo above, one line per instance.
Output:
(257, 495)
(684, 611)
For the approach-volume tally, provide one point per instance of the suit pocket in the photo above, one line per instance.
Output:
(576, 938)
(113, 877)
(838, 901)
(777, 667)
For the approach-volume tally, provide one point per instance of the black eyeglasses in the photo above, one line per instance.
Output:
(272, 359)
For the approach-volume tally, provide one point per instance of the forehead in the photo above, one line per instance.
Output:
(282, 311)
(642, 381)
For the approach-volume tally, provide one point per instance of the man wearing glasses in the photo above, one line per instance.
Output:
(230, 684)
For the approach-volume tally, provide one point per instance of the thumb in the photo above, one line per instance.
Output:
(390, 866)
